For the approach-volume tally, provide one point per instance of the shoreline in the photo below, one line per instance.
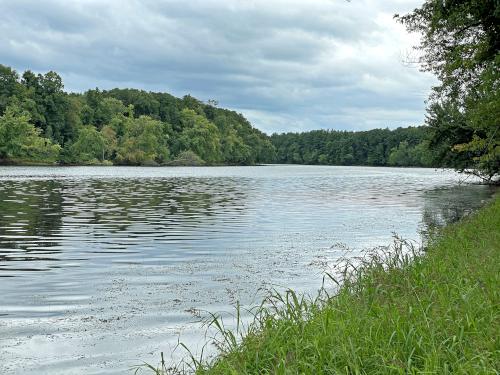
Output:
(435, 312)
(4, 163)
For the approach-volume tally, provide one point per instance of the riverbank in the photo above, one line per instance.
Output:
(436, 314)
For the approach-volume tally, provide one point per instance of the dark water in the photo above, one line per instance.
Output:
(101, 268)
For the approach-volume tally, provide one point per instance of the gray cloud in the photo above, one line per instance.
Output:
(287, 65)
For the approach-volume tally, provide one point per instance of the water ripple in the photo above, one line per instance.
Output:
(93, 258)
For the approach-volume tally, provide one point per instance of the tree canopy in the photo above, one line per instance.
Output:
(378, 147)
(460, 44)
(20, 140)
(41, 122)
(120, 126)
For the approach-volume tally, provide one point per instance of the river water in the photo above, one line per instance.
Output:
(104, 267)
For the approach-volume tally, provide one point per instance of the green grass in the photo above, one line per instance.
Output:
(437, 313)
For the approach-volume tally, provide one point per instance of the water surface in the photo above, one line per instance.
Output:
(102, 267)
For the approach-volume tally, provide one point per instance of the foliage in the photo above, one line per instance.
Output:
(461, 45)
(48, 105)
(378, 147)
(89, 146)
(200, 136)
(144, 142)
(128, 126)
(404, 155)
(9, 87)
(20, 140)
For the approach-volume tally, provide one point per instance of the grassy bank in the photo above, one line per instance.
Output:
(436, 314)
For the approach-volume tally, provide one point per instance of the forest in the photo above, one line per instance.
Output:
(41, 123)
(377, 147)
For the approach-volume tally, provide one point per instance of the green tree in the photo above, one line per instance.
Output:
(110, 141)
(234, 149)
(144, 142)
(60, 117)
(49, 104)
(461, 45)
(9, 86)
(401, 155)
(371, 147)
(106, 109)
(89, 147)
(200, 136)
(21, 140)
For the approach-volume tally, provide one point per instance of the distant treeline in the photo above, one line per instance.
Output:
(41, 123)
(378, 147)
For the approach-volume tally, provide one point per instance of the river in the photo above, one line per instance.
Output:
(104, 267)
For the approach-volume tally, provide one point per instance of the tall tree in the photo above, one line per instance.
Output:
(200, 136)
(461, 45)
(144, 142)
(9, 86)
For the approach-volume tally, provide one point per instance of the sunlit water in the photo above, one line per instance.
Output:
(101, 268)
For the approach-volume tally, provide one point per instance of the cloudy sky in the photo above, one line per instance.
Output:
(287, 65)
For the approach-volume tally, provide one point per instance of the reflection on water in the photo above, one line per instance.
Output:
(28, 220)
(88, 218)
(92, 259)
(449, 204)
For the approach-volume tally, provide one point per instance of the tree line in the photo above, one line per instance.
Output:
(377, 147)
(40, 122)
